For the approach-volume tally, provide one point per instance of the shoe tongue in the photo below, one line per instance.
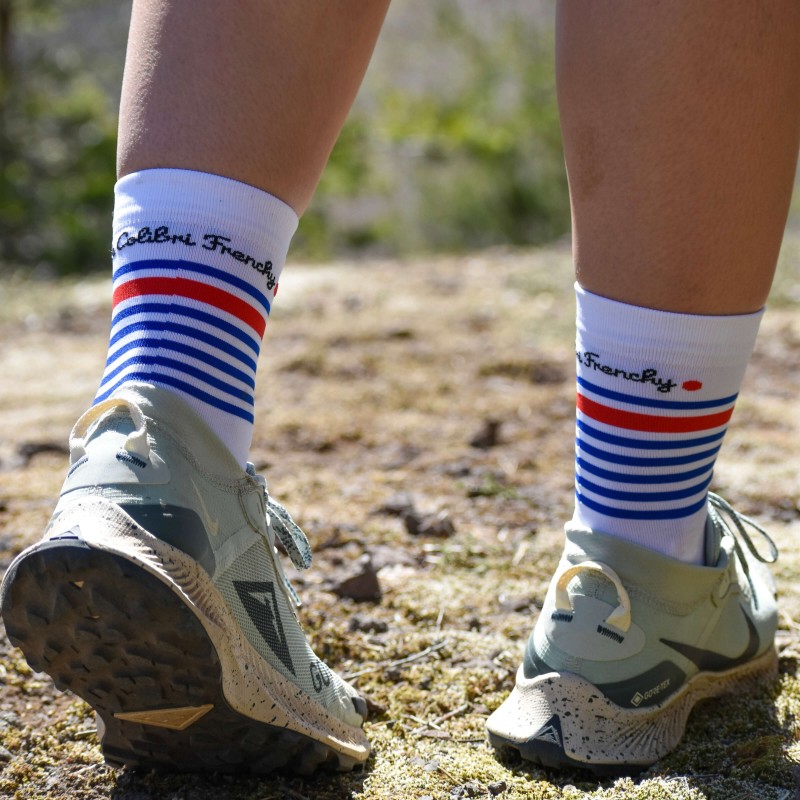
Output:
(713, 543)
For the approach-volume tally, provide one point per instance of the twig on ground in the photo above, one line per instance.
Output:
(454, 713)
(424, 724)
(435, 723)
(399, 662)
(85, 769)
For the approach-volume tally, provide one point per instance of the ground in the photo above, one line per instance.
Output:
(421, 413)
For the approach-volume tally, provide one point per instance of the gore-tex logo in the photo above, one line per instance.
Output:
(650, 375)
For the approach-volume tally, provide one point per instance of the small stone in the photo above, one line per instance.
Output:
(488, 436)
(439, 525)
(413, 521)
(5, 755)
(386, 555)
(397, 505)
(515, 603)
(362, 584)
(374, 708)
(458, 469)
(469, 789)
(497, 787)
(365, 624)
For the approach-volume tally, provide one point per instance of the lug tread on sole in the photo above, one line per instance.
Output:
(551, 756)
(119, 638)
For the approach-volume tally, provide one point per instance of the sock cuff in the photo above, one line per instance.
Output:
(646, 332)
(199, 200)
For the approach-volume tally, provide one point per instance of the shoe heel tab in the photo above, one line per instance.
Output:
(136, 443)
(620, 617)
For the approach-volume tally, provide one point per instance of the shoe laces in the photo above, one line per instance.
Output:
(723, 515)
(281, 526)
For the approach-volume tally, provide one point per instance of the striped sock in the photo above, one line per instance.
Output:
(197, 259)
(655, 392)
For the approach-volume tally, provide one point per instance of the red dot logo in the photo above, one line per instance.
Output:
(692, 386)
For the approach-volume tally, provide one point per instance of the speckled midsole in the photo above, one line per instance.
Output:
(595, 731)
(250, 685)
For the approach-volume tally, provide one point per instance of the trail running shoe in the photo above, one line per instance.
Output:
(158, 597)
(629, 640)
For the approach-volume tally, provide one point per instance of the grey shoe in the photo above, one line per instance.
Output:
(157, 596)
(629, 640)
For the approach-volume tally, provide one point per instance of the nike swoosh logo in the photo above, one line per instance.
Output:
(209, 521)
(709, 661)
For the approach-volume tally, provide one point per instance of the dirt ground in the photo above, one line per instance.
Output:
(421, 414)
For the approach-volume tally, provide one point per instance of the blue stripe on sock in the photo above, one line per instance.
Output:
(642, 497)
(169, 380)
(652, 514)
(646, 444)
(622, 477)
(157, 328)
(199, 269)
(631, 461)
(186, 369)
(681, 405)
(178, 309)
(177, 347)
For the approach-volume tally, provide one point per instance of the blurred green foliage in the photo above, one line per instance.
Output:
(57, 150)
(451, 171)
(415, 169)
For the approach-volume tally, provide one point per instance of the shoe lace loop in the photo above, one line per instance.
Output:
(288, 532)
(719, 506)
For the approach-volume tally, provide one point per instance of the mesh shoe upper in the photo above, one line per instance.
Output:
(639, 624)
(146, 451)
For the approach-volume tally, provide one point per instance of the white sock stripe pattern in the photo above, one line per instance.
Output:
(651, 419)
(197, 259)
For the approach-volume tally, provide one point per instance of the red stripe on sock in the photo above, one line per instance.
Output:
(193, 290)
(651, 423)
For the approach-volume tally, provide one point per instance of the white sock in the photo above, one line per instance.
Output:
(655, 392)
(196, 259)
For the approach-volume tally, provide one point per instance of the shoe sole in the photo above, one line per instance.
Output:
(136, 629)
(567, 722)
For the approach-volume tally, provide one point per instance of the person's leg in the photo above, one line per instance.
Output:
(255, 91)
(228, 116)
(158, 595)
(680, 147)
(681, 124)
